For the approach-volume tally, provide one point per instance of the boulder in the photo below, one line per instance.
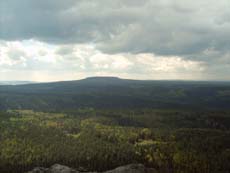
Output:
(132, 168)
(54, 169)
(61, 169)
(39, 170)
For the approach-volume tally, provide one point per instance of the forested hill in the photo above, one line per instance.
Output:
(112, 92)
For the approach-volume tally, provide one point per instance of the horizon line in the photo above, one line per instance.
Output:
(90, 77)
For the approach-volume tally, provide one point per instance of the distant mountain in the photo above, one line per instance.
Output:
(15, 82)
(112, 92)
(115, 79)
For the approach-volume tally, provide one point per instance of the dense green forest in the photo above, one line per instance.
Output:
(97, 124)
(110, 92)
(101, 139)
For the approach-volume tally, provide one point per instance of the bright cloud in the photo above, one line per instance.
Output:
(41, 61)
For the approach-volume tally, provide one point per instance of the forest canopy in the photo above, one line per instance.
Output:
(99, 139)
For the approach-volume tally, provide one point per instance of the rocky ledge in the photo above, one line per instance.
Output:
(133, 168)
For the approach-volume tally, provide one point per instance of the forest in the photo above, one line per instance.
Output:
(89, 139)
(100, 123)
(116, 93)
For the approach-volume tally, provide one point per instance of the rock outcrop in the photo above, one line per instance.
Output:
(133, 168)
(54, 169)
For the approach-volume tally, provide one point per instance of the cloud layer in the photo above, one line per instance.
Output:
(90, 37)
(43, 62)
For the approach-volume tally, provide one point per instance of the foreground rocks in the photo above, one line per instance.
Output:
(133, 168)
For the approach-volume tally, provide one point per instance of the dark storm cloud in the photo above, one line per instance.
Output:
(181, 27)
(62, 21)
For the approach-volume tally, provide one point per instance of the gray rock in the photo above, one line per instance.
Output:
(133, 168)
(39, 170)
(54, 169)
(61, 169)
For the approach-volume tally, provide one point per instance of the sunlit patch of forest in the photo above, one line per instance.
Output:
(169, 140)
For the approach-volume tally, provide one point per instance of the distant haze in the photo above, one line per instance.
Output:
(15, 82)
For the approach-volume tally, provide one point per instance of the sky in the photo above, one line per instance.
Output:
(55, 40)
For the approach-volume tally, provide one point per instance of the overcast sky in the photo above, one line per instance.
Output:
(50, 40)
